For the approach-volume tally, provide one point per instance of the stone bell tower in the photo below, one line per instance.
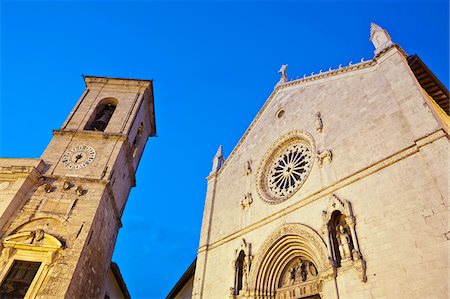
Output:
(61, 222)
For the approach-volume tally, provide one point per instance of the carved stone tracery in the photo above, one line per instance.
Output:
(285, 167)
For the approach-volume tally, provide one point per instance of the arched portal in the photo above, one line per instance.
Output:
(289, 264)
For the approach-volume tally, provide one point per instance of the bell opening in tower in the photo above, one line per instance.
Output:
(102, 115)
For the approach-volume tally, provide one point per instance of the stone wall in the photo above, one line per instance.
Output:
(389, 159)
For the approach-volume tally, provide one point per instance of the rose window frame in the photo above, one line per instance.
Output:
(285, 167)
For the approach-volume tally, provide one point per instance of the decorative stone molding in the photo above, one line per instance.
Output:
(285, 167)
(53, 223)
(324, 155)
(33, 246)
(289, 242)
(339, 230)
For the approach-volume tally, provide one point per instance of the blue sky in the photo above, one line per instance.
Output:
(213, 64)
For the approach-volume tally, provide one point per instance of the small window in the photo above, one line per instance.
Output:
(19, 279)
(137, 140)
(102, 115)
(280, 113)
(240, 268)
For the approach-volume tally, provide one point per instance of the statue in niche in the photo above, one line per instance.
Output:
(345, 243)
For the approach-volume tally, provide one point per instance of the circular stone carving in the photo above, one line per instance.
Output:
(78, 157)
(286, 167)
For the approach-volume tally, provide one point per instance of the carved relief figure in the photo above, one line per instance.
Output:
(246, 201)
(303, 271)
(344, 243)
(319, 123)
(299, 271)
(324, 155)
(35, 236)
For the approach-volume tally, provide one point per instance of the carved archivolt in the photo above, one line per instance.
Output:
(291, 245)
(285, 167)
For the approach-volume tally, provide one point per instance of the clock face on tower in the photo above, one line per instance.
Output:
(78, 157)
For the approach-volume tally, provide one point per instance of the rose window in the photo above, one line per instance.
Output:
(288, 170)
(285, 167)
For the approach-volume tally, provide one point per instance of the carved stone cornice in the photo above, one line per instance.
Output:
(330, 73)
(14, 172)
(90, 134)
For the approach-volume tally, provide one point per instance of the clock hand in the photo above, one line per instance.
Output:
(78, 157)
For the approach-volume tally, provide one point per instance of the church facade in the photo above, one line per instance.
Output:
(338, 189)
(60, 214)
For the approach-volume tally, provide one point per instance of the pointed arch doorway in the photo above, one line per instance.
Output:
(291, 265)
